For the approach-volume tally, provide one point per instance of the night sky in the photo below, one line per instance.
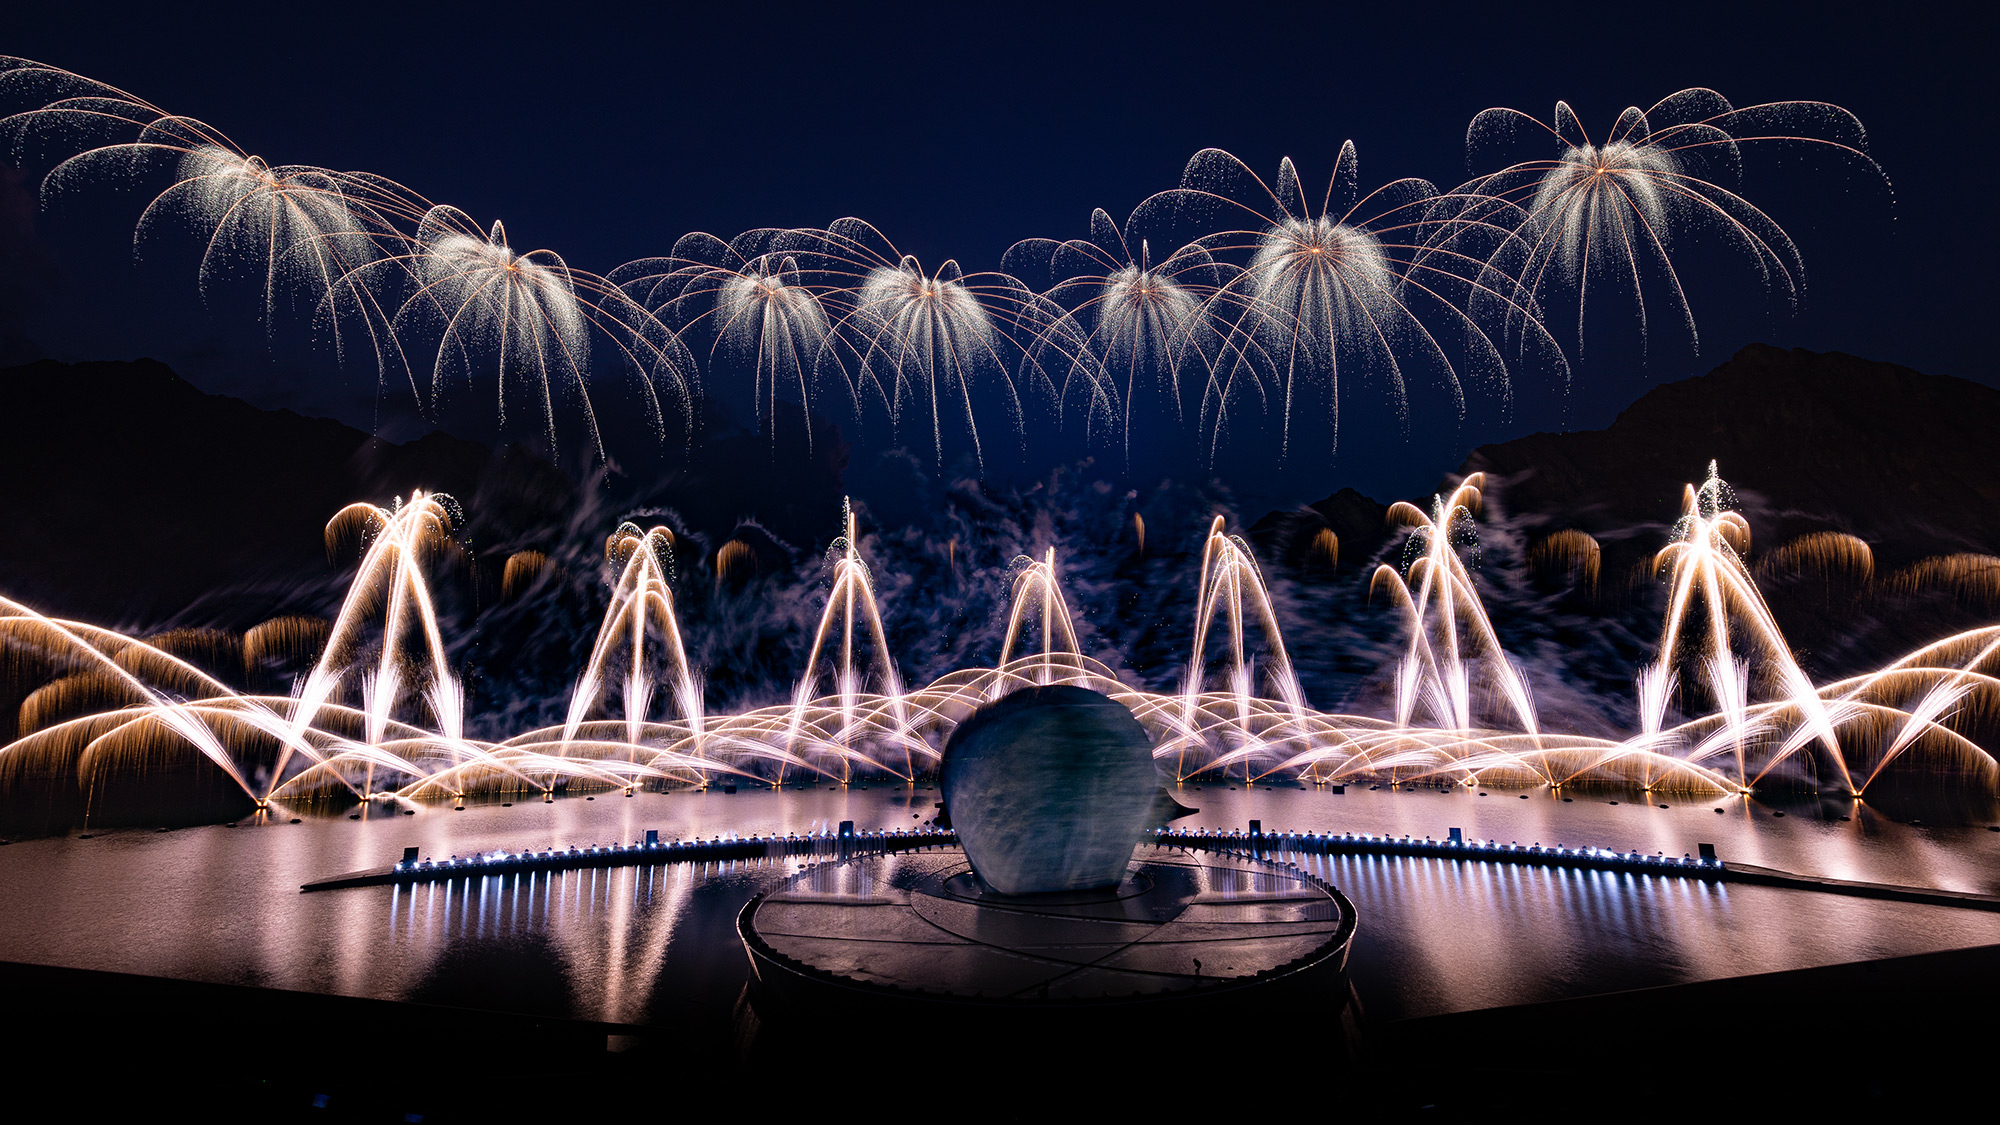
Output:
(958, 130)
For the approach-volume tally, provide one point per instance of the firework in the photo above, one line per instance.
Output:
(1451, 638)
(1561, 554)
(371, 258)
(381, 715)
(755, 296)
(1609, 210)
(1316, 289)
(297, 229)
(1272, 299)
(529, 315)
(1125, 318)
(924, 338)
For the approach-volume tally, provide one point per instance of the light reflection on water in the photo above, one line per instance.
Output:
(1439, 936)
(658, 944)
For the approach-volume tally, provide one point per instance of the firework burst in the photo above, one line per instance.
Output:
(1609, 211)
(1331, 288)
(1272, 299)
(760, 298)
(923, 338)
(1126, 318)
(528, 314)
(297, 229)
(349, 244)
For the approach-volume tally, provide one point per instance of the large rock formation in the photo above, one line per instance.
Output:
(1049, 789)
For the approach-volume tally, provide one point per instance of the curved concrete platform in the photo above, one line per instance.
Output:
(921, 929)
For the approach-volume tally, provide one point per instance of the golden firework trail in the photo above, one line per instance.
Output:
(380, 715)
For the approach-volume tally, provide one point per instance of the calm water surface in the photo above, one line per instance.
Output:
(648, 945)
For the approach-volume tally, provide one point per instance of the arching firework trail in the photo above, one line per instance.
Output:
(1321, 288)
(1231, 592)
(855, 713)
(405, 656)
(381, 717)
(640, 636)
(1452, 642)
(1609, 210)
(1038, 605)
(1709, 590)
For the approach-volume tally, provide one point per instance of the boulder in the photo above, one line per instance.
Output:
(1049, 789)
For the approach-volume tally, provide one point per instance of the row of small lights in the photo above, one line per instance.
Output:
(1473, 845)
(878, 834)
(428, 864)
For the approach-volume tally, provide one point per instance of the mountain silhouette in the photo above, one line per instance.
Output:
(133, 499)
(1810, 441)
(132, 496)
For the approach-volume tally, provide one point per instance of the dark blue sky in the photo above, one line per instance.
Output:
(960, 129)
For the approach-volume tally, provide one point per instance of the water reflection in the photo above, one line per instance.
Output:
(1440, 935)
(657, 944)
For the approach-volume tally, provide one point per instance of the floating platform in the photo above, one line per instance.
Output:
(892, 931)
(851, 844)
(1453, 846)
(640, 853)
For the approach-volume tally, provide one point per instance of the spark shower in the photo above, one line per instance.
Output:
(1229, 295)
(135, 727)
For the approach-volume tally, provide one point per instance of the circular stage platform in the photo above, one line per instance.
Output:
(920, 927)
